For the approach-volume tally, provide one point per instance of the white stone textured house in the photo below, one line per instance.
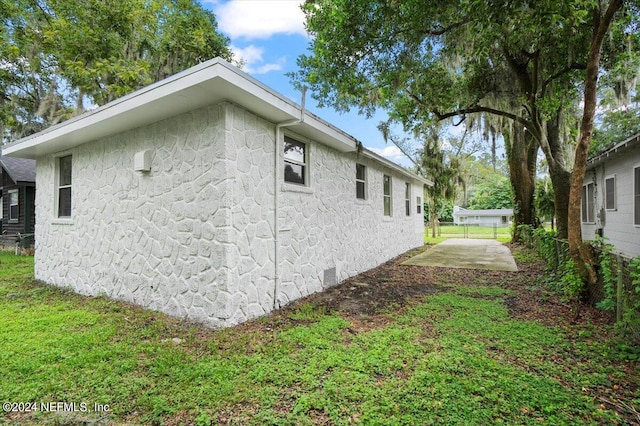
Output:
(209, 196)
(485, 217)
(611, 197)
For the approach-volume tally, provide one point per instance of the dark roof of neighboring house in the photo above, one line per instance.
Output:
(19, 169)
(618, 148)
(487, 212)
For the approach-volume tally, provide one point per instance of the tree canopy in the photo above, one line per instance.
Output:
(520, 67)
(58, 55)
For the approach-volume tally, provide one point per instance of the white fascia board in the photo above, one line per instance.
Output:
(205, 84)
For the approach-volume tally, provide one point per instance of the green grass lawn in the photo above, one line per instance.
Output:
(502, 234)
(453, 357)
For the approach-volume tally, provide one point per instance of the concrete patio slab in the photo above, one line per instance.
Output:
(467, 253)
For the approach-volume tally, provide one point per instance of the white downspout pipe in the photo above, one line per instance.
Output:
(277, 166)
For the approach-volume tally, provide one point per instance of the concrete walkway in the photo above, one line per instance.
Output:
(467, 253)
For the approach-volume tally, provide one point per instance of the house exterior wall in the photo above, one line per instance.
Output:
(324, 226)
(194, 237)
(617, 224)
(160, 240)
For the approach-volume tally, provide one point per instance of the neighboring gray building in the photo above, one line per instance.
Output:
(17, 199)
(488, 217)
(209, 196)
(611, 197)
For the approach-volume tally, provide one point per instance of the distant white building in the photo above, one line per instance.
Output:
(488, 217)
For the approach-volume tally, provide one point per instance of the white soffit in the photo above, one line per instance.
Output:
(206, 84)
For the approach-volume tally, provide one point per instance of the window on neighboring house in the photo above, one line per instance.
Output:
(610, 193)
(636, 198)
(13, 206)
(361, 181)
(64, 186)
(295, 161)
(1, 206)
(407, 199)
(587, 203)
(387, 195)
(504, 219)
(418, 205)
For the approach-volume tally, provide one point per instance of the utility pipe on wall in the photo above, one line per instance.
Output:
(276, 199)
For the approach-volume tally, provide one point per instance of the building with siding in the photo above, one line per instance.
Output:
(17, 198)
(485, 217)
(209, 196)
(611, 197)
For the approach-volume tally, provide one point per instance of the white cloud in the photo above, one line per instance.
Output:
(259, 19)
(390, 152)
(253, 61)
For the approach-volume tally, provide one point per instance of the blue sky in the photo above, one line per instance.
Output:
(269, 35)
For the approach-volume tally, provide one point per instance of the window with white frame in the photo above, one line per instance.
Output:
(407, 198)
(418, 205)
(13, 206)
(636, 196)
(610, 193)
(63, 190)
(588, 191)
(1, 206)
(295, 161)
(387, 195)
(361, 182)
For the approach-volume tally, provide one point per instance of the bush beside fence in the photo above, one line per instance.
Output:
(618, 287)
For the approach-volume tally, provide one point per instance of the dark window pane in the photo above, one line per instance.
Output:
(407, 190)
(293, 150)
(387, 185)
(610, 185)
(584, 204)
(64, 202)
(590, 202)
(418, 205)
(359, 172)
(360, 190)
(13, 212)
(65, 170)
(387, 206)
(637, 196)
(293, 173)
(407, 207)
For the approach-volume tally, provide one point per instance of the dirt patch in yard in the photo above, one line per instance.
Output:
(392, 285)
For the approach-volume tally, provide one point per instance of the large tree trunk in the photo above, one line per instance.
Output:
(433, 216)
(522, 151)
(561, 180)
(555, 153)
(580, 253)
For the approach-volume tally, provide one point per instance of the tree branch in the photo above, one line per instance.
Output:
(574, 66)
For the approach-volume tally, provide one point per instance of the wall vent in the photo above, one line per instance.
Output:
(329, 277)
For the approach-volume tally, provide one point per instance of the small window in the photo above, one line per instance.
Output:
(1, 206)
(407, 198)
(504, 220)
(587, 203)
(636, 198)
(295, 161)
(387, 195)
(610, 193)
(361, 182)
(64, 186)
(13, 205)
(418, 205)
